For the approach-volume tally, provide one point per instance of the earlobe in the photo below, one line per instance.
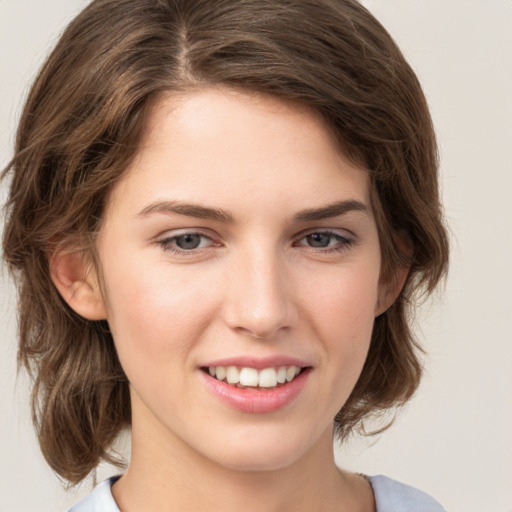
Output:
(78, 285)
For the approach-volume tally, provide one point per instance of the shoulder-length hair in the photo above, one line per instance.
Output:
(81, 127)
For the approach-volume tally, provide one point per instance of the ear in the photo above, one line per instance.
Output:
(389, 290)
(78, 285)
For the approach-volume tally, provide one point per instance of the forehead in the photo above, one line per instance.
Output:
(240, 149)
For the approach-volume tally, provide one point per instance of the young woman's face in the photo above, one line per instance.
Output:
(240, 246)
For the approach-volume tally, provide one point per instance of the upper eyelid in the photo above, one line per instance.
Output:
(176, 233)
(345, 233)
(325, 232)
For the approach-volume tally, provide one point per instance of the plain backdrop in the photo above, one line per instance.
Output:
(454, 439)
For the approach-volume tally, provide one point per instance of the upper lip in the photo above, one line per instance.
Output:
(259, 363)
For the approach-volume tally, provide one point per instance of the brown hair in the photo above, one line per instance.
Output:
(80, 129)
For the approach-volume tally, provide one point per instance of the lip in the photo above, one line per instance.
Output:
(252, 400)
(259, 363)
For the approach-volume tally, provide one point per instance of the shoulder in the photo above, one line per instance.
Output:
(390, 496)
(100, 500)
(393, 496)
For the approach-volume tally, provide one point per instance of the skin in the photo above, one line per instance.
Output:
(256, 286)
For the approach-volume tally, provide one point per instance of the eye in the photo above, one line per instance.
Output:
(186, 242)
(189, 241)
(326, 240)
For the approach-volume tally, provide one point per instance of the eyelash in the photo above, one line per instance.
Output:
(343, 243)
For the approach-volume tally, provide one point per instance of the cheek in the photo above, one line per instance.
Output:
(156, 316)
(343, 300)
(341, 310)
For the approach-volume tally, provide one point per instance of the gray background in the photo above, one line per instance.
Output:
(454, 438)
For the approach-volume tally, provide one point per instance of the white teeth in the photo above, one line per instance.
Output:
(268, 378)
(290, 373)
(250, 377)
(220, 372)
(232, 375)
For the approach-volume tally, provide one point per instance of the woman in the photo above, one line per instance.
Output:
(219, 215)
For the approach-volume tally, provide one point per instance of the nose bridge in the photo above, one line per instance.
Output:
(260, 301)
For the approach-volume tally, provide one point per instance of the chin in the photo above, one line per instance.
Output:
(262, 451)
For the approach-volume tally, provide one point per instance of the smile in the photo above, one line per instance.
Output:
(259, 387)
(247, 377)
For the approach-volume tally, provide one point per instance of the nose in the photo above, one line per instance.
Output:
(260, 300)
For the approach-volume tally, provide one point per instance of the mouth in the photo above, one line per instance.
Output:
(259, 386)
(252, 378)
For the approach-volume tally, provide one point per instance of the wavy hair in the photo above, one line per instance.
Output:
(81, 127)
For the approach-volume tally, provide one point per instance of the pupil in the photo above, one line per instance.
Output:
(319, 239)
(189, 241)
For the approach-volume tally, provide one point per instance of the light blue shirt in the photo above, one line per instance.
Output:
(390, 496)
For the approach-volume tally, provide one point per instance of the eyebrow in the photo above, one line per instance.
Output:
(331, 210)
(189, 209)
(217, 214)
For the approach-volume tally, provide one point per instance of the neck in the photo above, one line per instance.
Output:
(171, 476)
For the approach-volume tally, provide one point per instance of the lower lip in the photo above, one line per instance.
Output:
(257, 401)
